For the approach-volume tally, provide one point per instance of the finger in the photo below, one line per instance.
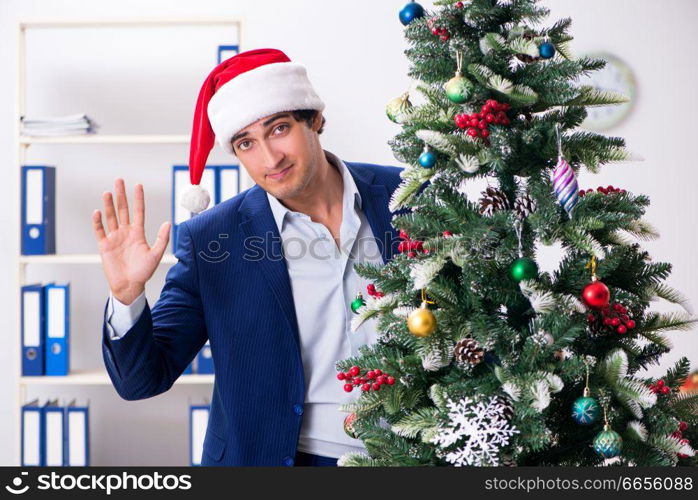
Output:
(163, 238)
(109, 211)
(97, 225)
(121, 202)
(139, 206)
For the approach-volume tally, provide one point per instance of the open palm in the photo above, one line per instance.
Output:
(127, 259)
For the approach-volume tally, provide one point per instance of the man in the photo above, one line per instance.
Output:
(267, 277)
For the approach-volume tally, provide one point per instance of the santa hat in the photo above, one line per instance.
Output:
(238, 92)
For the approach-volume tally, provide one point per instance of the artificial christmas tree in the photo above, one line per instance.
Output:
(493, 362)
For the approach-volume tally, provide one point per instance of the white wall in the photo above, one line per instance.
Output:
(354, 54)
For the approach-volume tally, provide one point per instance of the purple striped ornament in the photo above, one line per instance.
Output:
(565, 185)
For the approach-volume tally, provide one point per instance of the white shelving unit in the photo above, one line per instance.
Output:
(97, 377)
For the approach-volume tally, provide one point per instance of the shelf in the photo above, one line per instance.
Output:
(98, 377)
(105, 139)
(77, 258)
(115, 22)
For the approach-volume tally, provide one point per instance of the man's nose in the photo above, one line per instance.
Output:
(271, 157)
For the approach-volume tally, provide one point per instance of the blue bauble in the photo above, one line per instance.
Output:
(546, 50)
(427, 159)
(585, 410)
(608, 443)
(491, 358)
(410, 12)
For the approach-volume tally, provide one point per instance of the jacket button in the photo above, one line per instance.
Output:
(288, 461)
(298, 409)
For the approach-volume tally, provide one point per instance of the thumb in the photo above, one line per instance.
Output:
(158, 248)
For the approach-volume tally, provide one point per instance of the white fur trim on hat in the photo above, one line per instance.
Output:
(257, 93)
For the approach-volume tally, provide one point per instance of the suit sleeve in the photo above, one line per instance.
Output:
(154, 352)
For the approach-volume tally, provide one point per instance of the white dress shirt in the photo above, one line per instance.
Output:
(323, 283)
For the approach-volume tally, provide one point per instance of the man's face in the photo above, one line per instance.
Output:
(279, 153)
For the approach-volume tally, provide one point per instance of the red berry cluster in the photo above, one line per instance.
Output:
(459, 5)
(678, 434)
(447, 234)
(439, 31)
(614, 318)
(371, 289)
(492, 112)
(660, 387)
(605, 190)
(371, 380)
(409, 245)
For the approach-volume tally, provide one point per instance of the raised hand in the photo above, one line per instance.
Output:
(127, 259)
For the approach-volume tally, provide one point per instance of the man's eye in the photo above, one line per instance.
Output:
(283, 125)
(241, 146)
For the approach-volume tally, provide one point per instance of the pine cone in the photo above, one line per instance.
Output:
(526, 58)
(507, 461)
(493, 200)
(524, 206)
(468, 351)
(507, 407)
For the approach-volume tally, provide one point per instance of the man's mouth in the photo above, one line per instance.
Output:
(281, 174)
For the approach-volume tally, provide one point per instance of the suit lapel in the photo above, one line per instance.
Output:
(260, 225)
(375, 200)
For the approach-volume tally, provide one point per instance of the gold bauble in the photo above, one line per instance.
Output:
(421, 322)
(397, 107)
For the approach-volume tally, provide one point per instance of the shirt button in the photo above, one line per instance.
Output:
(298, 409)
(288, 461)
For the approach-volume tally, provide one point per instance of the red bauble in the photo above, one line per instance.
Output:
(596, 295)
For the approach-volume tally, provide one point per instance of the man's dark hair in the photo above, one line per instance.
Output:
(308, 116)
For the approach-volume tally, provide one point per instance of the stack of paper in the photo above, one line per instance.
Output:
(58, 125)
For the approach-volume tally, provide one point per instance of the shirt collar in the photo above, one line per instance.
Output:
(350, 192)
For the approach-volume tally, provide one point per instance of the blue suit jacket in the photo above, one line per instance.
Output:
(231, 286)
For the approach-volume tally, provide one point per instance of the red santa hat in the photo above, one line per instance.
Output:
(238, 92)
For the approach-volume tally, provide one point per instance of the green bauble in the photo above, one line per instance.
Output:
(458, 89)
(396, 107)
(608, 443)
(357, 303)
(523, 269)
(585, 410)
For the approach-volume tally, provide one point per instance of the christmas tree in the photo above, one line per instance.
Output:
(483, 359)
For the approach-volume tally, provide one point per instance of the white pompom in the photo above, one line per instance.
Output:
(195, 199)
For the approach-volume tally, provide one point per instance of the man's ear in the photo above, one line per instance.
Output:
(317, 121)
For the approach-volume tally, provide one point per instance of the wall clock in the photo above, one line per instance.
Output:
(616, 76)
